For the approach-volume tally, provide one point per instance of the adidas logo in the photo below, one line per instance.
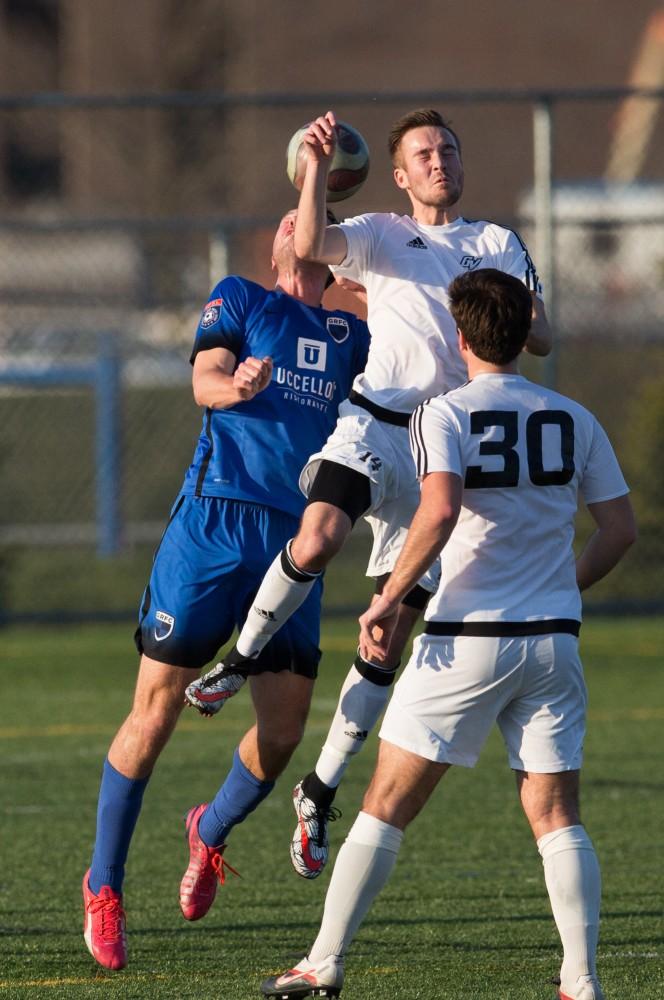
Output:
(358, 734)
(267, 615)
(418, 243)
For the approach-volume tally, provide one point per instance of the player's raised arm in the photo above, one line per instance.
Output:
(540, 337)
(219, 382)
(314, 239)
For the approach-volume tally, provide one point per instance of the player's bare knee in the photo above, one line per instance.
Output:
(311, 553)
(156, 712)
(156, 723)
(312, 550)
(323, 531)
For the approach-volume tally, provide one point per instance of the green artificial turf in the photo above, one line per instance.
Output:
(464, 916)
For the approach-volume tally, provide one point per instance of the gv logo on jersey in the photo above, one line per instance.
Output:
(338, 328)
(164, 625)
(311, 354)
(471, 263)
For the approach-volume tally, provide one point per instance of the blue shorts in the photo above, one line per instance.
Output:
(210, 562)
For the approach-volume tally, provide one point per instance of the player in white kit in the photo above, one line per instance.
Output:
(366, 469)
(502, 462)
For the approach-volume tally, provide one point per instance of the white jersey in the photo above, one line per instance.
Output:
(525, 454)
(406, 268)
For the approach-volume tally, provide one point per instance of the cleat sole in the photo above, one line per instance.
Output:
(304, 994)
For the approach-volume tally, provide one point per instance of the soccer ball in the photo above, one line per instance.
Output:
(350, 164)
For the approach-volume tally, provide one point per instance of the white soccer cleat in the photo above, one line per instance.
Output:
(309, 848)
(585, 988)
(307, 979)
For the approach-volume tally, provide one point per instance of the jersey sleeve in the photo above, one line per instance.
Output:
(514, 259)
(435, 439)
(602, 477)
(361, 238)
(361, 351)
(222, 322)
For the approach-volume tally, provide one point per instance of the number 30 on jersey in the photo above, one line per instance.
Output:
(478, 477)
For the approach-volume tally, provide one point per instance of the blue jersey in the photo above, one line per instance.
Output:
(254, 451)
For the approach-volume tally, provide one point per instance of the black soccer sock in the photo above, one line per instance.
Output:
(316, 790)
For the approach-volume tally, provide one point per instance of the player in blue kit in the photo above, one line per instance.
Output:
(270, 367)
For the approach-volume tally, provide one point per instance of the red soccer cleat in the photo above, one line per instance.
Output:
(206, 870)
(104, 926)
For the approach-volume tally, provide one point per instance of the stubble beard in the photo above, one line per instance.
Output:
(447, 200)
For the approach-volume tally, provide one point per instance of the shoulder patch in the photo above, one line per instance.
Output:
(211, 313)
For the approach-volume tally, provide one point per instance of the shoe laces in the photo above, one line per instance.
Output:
(215, 677)
(322, 815)
(110, 911)
(219, 865)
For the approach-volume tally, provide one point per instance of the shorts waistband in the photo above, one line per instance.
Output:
(379, 412)
(545, 626)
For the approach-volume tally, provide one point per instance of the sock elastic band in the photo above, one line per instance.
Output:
(292, 571)
(382, 676)
(373, 832)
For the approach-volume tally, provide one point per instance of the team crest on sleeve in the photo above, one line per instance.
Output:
(164, 625)
(338, 328)
(211, 313)
(471, 263)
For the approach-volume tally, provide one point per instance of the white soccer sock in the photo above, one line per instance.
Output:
(283, 590)
(360, 704)
(573, 881)
(362, 868)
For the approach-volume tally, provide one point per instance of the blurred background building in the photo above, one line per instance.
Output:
(142, 157)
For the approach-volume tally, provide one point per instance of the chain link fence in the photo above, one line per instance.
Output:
(117, 216)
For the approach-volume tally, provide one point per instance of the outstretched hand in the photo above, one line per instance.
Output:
(252, 376)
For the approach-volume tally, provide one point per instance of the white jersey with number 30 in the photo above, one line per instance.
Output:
(525, 453)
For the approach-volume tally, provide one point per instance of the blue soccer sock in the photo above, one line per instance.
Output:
(239, 795)
(119, 805)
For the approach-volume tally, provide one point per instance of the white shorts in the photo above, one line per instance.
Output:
(380, 451)
(454, 689)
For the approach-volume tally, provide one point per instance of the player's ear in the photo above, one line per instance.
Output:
(400, 177)
(463, 343)
(273, 264)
